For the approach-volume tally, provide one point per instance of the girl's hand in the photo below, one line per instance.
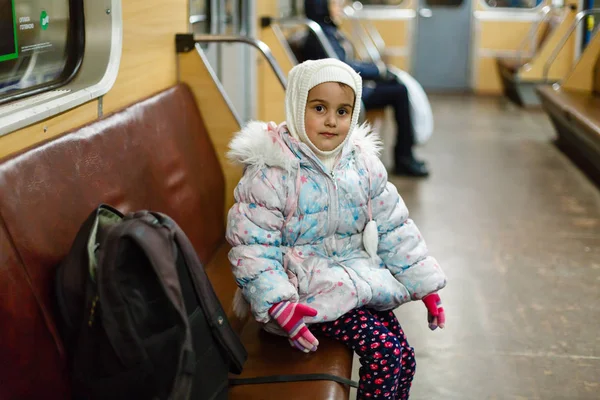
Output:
(290, 316)
(435, 312)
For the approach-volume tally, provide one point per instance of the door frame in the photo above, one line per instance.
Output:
(471, 43)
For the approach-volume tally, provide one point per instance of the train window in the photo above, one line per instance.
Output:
(444, 3)
(44, 67)
(289, 8)
(41, 45)
(367, 3)
(513, 3)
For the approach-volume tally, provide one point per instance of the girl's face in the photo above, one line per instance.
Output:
(328, 114)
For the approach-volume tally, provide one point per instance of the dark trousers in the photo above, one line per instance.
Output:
(387, 360)
(393, 94)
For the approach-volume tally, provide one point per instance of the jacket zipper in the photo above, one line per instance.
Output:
(332, 208)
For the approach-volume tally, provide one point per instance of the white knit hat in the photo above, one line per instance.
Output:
(306, 76)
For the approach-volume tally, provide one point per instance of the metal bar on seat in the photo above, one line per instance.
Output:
(313, 27)
(578, 18)
(257, 44)
(530, 38)
(375, 35)
(197, 18)
(368, 41)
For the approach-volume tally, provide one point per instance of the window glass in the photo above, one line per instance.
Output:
(513, 3)
(444, 3)
(367, 3)
(41, 45)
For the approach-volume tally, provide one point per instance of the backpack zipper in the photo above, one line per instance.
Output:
(93, 311)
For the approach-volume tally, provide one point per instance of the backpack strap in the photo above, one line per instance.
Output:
(216, 316)
(292, 378)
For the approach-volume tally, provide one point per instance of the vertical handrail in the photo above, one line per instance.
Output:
(369, 45)
(375, 36)
(530, 38)
(314, 27)
(198, 18)
(218, 84)
(366, 41)
(257, 44)
(284, 43)
(578, 18)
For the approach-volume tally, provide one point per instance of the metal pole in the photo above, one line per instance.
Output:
(259, 45)
(314, 28)
(578, 18)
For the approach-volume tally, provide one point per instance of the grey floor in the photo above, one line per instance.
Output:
(516, 227)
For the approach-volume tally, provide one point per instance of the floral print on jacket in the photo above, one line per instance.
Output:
(296, 230)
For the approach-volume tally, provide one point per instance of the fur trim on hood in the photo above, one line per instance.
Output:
(367, 141)
(256, 145)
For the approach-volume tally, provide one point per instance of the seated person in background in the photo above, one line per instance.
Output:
(380, 90)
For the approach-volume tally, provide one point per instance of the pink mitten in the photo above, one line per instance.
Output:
(290, 316)
(435, 311)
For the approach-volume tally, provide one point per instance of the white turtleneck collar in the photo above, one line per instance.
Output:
(329, 161)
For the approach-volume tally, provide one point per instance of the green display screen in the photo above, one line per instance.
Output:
(8, 30)
(35, 50)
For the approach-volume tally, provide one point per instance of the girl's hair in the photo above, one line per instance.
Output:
(344, 86)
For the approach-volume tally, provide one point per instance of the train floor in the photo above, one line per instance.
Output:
(516, 227)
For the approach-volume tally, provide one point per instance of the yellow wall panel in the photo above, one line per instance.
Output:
(596, 75)
(502, 35)
(47, 129)
(393, 32)
(563, 63)
(586, 74)
(488, 79)
(218, 118)
(271, 94)
(507, 35)
(398, 61)
(148, 63)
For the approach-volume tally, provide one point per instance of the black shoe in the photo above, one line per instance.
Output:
(420, 162)
(410, 167)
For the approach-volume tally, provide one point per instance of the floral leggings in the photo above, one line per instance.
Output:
(387, 360)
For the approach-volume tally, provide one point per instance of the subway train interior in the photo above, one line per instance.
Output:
(483, 115)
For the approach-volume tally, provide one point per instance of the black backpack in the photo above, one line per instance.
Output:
(138, 315)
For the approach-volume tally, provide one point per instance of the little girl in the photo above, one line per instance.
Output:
(322, 242)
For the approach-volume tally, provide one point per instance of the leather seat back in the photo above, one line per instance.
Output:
(156, 155)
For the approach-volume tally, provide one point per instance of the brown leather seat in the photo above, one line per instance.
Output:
(512, 65)
(154, 155)
(576, 117)
(509, 70)
(265, 356)
(580, 108)
(31, 366)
